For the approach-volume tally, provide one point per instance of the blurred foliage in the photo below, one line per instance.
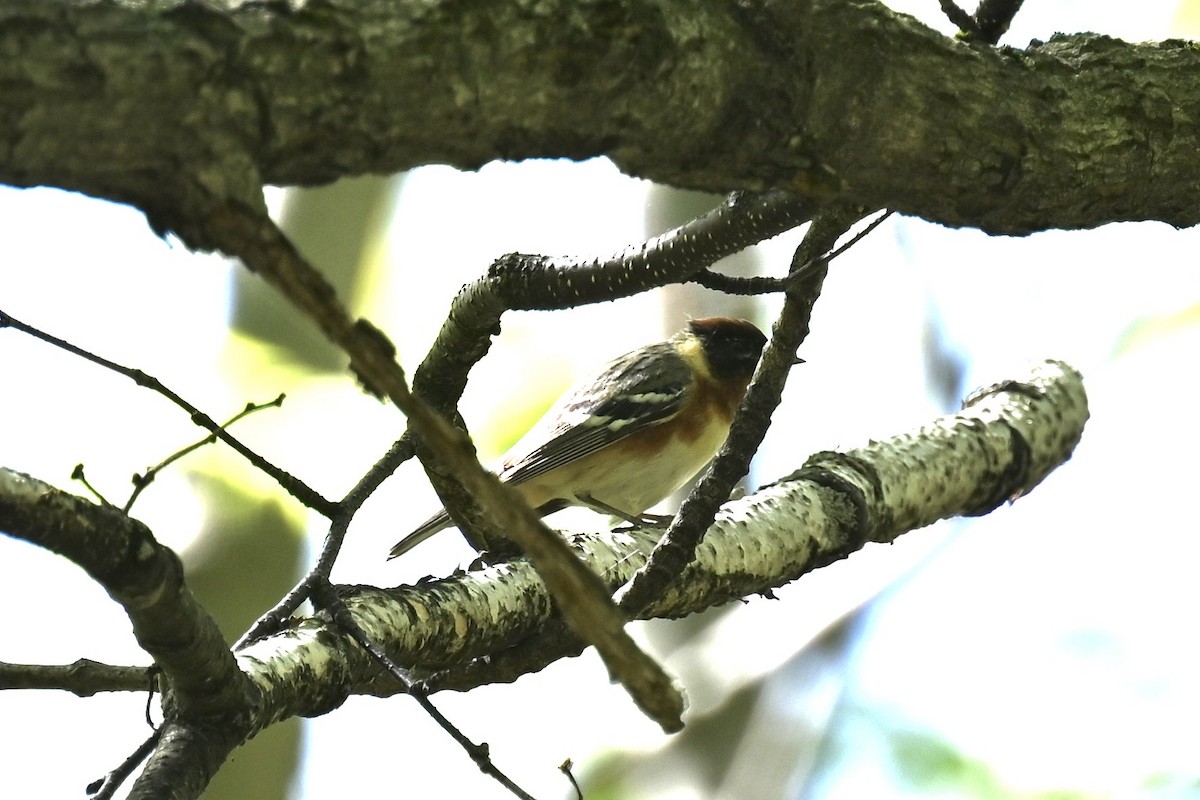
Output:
(1187, 19)
(1149, 329)
(699, 756)
(247, 557)
(249, 553)
(930, 764)
(543, 381)
(335, 227)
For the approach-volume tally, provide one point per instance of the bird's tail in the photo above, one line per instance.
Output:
(438, 522)
(441, 520)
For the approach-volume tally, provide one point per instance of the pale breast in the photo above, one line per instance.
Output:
(638, 482)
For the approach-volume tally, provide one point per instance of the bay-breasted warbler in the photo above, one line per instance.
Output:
(624, 440)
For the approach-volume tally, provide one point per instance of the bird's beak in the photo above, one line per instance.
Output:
(797, 360)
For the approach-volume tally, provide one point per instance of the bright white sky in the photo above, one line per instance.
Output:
(1052, 638)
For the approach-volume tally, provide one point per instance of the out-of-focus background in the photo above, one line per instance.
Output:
(1046, 650)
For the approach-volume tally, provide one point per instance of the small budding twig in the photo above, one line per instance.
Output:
(141, 481)
(290, 483)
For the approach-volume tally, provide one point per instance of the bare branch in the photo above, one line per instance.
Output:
(290, 483)
(203, 682)
(273, 620)
(83, 678)
(480, 754)
(961, 19)
(107, 786)
(141, 481)
(994, 16)
(525, 282)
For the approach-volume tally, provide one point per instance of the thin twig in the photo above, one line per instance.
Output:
(527, 282)
(326, 596)
(106, 787)
(290, 483)
(151, 686)
(78, 474)
(856, 238)
(141, 481)
(565, 768)
(400, 451)
(756, 285)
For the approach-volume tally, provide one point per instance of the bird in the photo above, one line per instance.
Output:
(627, 438)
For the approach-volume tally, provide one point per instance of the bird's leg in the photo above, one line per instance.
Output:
(656, 520)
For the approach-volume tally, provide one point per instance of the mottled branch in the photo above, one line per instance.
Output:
(1002, 445)
(826, 99)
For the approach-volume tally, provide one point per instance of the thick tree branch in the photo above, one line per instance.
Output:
(999, 447)
(170, 105)
(120, 554)
(185, 758)
(202, 682)
(1004, 442)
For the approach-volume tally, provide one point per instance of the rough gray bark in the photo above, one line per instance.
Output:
(176, 106)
